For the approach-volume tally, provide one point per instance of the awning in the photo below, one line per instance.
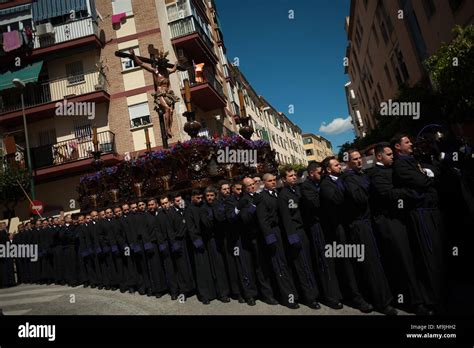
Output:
(16, 9)
(27, 74)
(45, 9)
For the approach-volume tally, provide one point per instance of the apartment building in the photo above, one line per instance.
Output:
(269, 124)
(388, 41)
(64, 53)
(316, 147)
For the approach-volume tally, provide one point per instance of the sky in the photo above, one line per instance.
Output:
(293, 61)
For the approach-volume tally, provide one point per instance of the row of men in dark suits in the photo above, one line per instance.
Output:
(273, 245)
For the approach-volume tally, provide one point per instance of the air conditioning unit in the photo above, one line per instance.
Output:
(44, 29)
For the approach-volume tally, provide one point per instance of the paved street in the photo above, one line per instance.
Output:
(53, 300)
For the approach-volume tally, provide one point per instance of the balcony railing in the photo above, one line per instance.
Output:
(53, 90)
(72, 150)
(190, 25)
(67, 32)
(207, 77)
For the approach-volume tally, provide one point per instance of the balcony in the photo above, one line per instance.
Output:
(72, 156)
(60, 37)
(40, 98)
(71, 150)
(206, 91)
(67, 32)
(188, 34)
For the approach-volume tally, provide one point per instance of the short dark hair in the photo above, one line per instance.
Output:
(380, 147)
(397, 138)
(210, 189)
(236, 182)
(326, 161)
(312, 166)
(351, 151)
(177, 194)
(285, 170)
(223, 182)
(196, 192)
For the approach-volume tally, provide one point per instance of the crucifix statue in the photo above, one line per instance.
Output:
(164, 97)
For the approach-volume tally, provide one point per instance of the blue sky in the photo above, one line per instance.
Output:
(295, 61)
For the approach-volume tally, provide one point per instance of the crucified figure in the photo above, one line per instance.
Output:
(164, 95)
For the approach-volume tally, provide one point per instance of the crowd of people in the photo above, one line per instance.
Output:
(247, 239)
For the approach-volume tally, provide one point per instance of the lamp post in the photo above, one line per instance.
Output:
(21, 85)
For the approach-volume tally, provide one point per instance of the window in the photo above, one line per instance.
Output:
(379, 90)
(397, 72)
(121, 6)
(375, 35)
(177, 11)
(401, 63)
(429, 7)
(128, 63)
(387, 73)
(356, 63)
(139, 114)
(455, 4)
(383, 29)
(75, 72)
(371, 62)
(308, 140)
(309, 152)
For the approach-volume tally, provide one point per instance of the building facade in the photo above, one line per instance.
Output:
(269, 124)
(78, 93)
(316, 147)
(388, 42)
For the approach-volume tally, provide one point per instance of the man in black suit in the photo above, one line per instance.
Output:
(238, 254)
(214, 241)
(332, 207)
(253, 241)
(177, 214)
(324, 267)
(358, 222)
(269, 222)
(199, 239)
(422, 217)
(228, 236)
(386, 203)
(153, 238)
(297, 241)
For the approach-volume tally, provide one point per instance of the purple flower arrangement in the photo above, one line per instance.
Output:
(232, 141)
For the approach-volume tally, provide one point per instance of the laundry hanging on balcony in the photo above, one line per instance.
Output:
(12, 40)
(46, 9)
(27, 74)
(117, 18)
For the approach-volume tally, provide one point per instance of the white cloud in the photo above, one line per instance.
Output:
(337, 126)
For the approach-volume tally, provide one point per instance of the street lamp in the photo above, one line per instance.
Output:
(21, 85)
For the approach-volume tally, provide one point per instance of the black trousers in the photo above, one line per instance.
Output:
(324, 267)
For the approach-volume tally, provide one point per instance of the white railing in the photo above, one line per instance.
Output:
(67, 32)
